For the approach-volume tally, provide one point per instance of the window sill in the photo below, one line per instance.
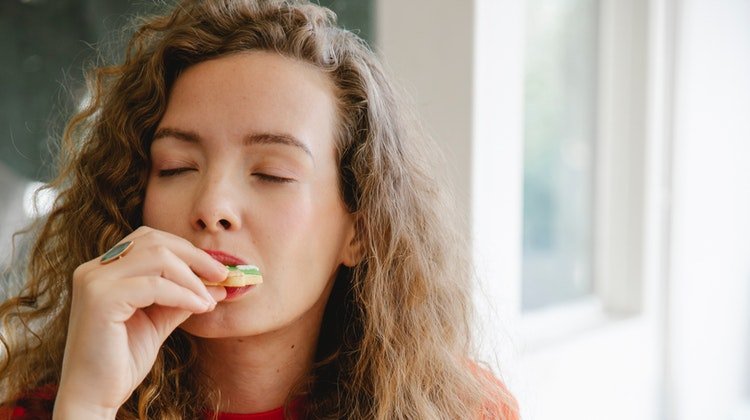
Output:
(544, 328)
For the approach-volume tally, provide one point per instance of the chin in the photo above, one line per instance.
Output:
(213, 325)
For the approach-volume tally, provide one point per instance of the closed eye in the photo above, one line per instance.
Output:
(270, 178)
(173, 172)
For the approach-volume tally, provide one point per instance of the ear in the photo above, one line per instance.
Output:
(353, 250)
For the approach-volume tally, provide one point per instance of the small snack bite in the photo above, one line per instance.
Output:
(239, 276)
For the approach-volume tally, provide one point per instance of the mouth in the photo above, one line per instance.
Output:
(224, 258)
(234, 292)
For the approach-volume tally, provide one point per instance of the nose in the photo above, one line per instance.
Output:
(215, 209)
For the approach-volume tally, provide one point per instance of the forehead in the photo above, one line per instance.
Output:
(253, 92)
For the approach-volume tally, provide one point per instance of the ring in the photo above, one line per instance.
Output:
(116, 252)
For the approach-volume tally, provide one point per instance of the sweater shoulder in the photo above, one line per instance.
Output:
(36, 404)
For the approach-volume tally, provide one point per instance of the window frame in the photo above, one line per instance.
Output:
(619, 186)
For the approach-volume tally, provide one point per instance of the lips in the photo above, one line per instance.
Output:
(234, 292)
(224, 258)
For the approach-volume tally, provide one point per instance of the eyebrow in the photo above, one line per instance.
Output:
(253, 138)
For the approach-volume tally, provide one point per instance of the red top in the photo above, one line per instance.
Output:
(39, 404)
(20, 413)
(275, 414)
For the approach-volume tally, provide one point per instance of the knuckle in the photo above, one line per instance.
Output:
(153, 281)
(161, 251)
(149, 236)
(79, 273)
(82, 273)
(143, 229)
(153, 235)
(184, 241)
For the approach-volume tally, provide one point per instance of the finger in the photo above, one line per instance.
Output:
(198, 260)
(177, 270)
(219, 293)
(159, 261)
(139, 232)
(91, 265)
(144, 291)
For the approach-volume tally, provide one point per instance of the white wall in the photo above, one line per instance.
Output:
(427, 44)
(710, 257)
(471, 104)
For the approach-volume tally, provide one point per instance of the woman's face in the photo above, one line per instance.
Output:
(243, 162)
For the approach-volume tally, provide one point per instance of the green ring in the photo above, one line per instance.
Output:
(116, 252)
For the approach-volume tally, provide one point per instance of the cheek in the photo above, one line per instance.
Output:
(304, 232)
(148, 206)
(156, 208)
(286, 222)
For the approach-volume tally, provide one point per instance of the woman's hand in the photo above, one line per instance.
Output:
(122, 312)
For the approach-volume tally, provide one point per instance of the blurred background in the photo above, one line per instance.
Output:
(598, 152)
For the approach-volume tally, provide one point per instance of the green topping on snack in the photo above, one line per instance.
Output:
(245, 269)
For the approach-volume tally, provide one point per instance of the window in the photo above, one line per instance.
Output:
(560, 116)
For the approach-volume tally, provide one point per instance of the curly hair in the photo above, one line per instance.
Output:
(395, 340)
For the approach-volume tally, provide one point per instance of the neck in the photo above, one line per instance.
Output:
(257, 373)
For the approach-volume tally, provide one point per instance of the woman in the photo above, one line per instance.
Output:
(246, 132)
